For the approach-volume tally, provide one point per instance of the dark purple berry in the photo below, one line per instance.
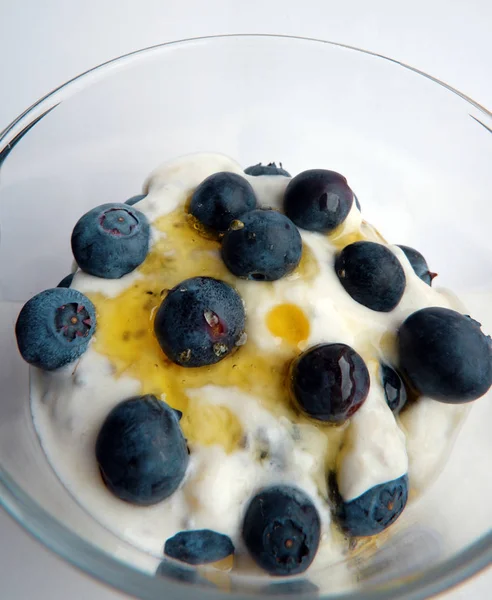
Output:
(395, 393)
(318, 200)
(329, 382)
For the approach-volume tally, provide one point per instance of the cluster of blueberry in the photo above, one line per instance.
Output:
(141, 451)
(258, 244)
(142, 456)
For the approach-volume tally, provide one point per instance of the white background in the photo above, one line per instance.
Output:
(44, 43)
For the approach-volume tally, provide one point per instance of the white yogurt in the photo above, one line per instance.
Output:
(89, 284)
(69, 406)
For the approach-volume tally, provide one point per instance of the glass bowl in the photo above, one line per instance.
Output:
(418, 155)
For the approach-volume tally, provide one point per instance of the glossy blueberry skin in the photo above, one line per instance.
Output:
(54, 328)
(170, 570)
(318, 200)
(199, 547)
(281, 530)
(141, 452)
(418, 264)
(395, 392)
(200, 322)
(329, 382)
(445, 355)
(66, 282)
(269, 169)
(135, 199)
(111, 240)
(266, 247)
(222, 198)
(372, 275)
(373, 511)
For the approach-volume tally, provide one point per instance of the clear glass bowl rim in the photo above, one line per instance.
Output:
(101, 565)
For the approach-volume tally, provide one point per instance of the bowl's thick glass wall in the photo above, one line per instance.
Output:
(419, 158)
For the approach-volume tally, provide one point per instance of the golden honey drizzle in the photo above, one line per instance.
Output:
(125, 335)
(342, 235)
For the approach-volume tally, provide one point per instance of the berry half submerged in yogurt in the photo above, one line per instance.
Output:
(373, 511)
(269, 169)
(419, 264)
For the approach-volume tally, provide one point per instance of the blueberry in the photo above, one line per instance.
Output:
(111, 240)
(134, 199)
(445, 355)
(394, 388)
(329, 382)
(199, 547)
(374, 510)
(371, 274)
(296, 588)
(170, 570)
(281, 530)
(141, 452)
(265, 245)
(318, 200)
(54, 328)
(200, 322)
(269, 169)
(357, 203)
(222, 198)
(418, 264)
(66, 282)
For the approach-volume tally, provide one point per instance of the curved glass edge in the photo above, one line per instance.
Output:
(106, 568)
(37, 110)
(88, 558)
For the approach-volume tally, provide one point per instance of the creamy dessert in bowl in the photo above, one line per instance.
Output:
(243, 373)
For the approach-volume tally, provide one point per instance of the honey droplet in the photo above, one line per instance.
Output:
(288, 322)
